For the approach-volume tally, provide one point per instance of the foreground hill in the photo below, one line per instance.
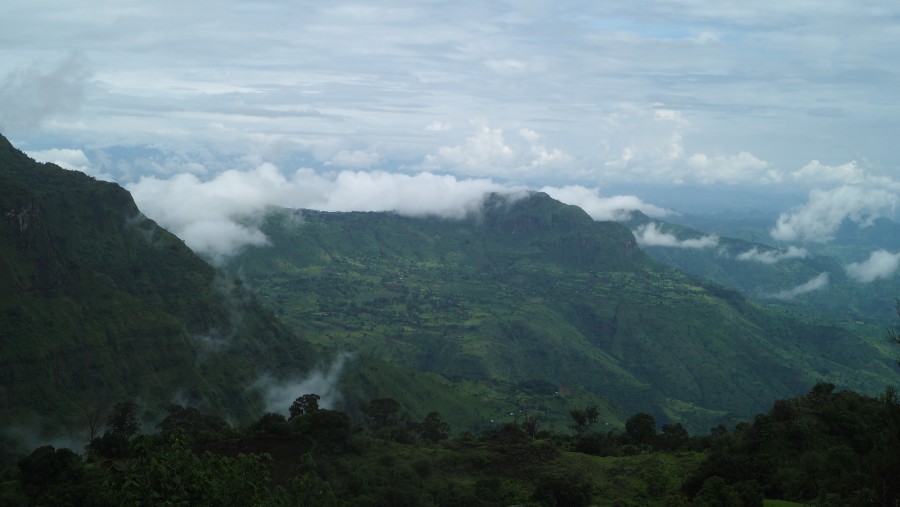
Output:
(533, 294)
(98, 304)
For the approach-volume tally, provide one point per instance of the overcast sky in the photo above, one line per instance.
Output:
(348, 105)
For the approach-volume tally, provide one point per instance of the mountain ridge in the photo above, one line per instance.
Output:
(535, 289)
(99, 304)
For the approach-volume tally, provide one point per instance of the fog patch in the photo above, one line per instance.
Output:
(880, 264)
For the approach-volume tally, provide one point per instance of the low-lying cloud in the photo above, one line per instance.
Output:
(278, 395)
(814, 284)
(218, 217)
(651, 235)
(772, 256)
(615, 208)
(826, 210)
(880, 264)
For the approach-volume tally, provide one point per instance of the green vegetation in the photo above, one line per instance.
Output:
(861, 306)
(531, 292)
(98, 303)
(823, 448)
(526, 355)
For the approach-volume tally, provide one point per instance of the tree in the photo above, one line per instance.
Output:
(51, 476)
(305, 404)
(433, 429)
(123, 420)
(530, 425)
(121, 426)
(641, 428)
(583, 419)
(674, 436)
(571, 491)
(270, 424)
(191, 421)
(382, 412)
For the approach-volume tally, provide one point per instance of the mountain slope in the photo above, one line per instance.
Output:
(99, 304)
(765, 272)
(532, 290)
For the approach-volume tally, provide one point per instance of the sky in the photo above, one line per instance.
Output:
(211, 111)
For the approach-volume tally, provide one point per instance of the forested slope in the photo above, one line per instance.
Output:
(99, 304)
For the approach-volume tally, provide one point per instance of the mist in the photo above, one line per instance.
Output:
(278, 395)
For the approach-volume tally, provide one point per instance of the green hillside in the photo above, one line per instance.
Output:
(98, 304)
(534, 292)
(843, 300)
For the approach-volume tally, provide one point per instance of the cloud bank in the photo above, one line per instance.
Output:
(880, 264)
(218, 217)
(651, 235)
(772, 256)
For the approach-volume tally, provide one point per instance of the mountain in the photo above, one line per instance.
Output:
(531, 292)
(767, 272)
(98, 304)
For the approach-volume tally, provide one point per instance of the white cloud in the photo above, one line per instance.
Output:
(817, 173)
(63, 157)
(486, 151)
(652, 92)
(817, 283)
(71, 159)
(772, 256)
(412, 195)
(437, 126)
(489, 152)
(614, 208)
(880, 264)
(356, 159)
(826, 210)
(733, 169)
(651, 235)
(217, 217)
(32, 95)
